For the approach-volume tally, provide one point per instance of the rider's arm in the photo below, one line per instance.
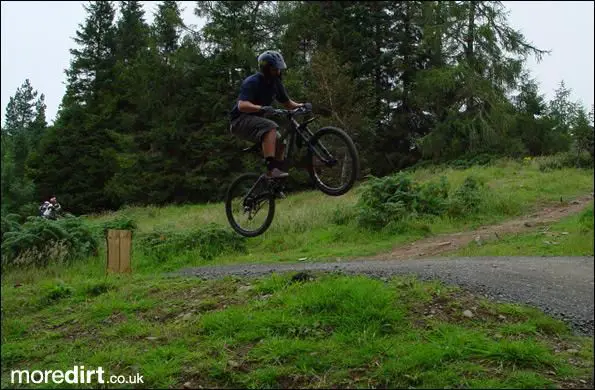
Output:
(247, 96)
(290, 105)
(284, 99)
(246, 106)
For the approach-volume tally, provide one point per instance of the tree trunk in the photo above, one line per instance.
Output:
(439, 17)
(377, 71)
(469, 48)
(406, 78)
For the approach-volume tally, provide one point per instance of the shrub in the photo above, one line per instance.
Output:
(565, 160)
(394, 202)
(467, 198)
(10, 223)
(29, 209)
(120, 223)
(55, 292)
(51, 252)
(582, 160)
(433, 197)
(209, 241)
(343, 215)
(384, 200)
(469, 161)
(586, 220)
(94, 289)
(40, 241)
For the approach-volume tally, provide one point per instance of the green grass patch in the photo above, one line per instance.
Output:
(326, 331)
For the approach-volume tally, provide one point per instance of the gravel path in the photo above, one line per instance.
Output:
(561, 286)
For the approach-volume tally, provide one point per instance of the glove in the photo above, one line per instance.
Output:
(267, 109)
(307, 106)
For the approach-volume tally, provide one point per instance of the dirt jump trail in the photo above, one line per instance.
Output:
(443, 243)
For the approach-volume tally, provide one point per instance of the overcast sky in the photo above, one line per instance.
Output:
(37, 36)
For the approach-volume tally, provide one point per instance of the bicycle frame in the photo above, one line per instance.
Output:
(301, 130)
(295, 130)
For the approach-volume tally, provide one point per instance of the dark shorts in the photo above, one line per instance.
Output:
(252, 127)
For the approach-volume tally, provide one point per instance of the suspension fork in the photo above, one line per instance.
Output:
(314, 148)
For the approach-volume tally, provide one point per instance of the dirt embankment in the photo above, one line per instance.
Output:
(443, 243)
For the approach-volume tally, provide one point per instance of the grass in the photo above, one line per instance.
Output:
(310, 226)
(274, 332)
(323, 333)
(571, 236)
(306, 224)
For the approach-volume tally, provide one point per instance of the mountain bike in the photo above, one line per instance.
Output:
(332, 162)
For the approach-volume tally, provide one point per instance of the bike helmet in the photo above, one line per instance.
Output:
(270, 60)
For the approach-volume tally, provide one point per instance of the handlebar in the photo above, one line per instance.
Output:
(296, 111)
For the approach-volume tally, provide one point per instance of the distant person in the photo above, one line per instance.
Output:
(50, 209)
(256, 96)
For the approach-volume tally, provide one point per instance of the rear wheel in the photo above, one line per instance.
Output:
(249, 210)
(333, 162)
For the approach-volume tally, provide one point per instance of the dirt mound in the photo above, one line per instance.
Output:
(443, 243)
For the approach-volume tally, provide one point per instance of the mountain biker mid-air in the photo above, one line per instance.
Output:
(254, 101)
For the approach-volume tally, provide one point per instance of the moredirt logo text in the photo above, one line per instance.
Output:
(78, 375)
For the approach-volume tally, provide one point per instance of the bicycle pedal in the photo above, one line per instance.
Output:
(281, 195)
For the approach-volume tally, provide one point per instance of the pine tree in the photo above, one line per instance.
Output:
(240, 25)
(561, 109)
(167, 28)
(92, 64)
(39, 124)
(582, 132)
(134, 55)
(484, 56)
(532, 126)
(76, 157)
(25, 121)
(4, 171)
(20, 111)
(132, 32)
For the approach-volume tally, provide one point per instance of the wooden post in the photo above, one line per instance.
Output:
(119, 244)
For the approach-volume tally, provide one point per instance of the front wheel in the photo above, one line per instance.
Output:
(333, 162)
(249, 205)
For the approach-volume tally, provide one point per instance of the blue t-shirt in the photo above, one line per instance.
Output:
(259, 91)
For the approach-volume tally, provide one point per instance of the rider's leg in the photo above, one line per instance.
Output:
(262, 131)
(280, 151)
(268, 143)
(272, 154)
(270, 146)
